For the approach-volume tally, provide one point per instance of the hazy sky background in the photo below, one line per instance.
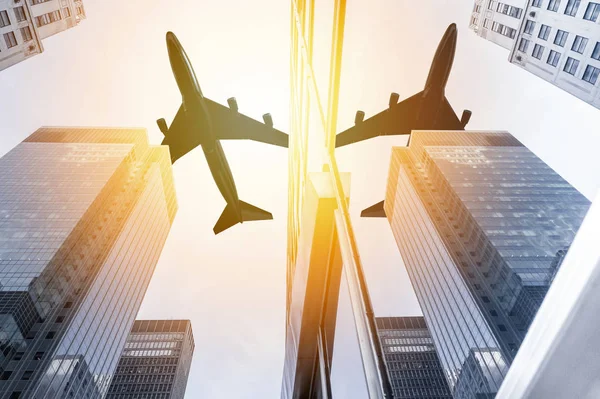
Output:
(113, 70)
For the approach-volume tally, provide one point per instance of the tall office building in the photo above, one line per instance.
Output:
(25, 23)
(155, 362)
(84, 214)
(559, 41)
(411, 360)
(481, 224)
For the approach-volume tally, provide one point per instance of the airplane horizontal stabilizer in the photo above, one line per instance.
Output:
(375, 211)
(250, 212)
(229, 217)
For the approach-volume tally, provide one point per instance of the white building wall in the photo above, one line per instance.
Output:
(498, 21)
(575, 26)
(70, 12)
(488, 15)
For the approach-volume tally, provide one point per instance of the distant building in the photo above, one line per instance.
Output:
(479, 221)
(25, 23)
(155, 362)
(411, 360)
(84, 215)
(559, 41)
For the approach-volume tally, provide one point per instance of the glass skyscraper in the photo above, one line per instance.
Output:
(156, 361)
(84, 214)
(411, 360)
(482, 225)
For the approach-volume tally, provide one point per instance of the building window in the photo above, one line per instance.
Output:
(34, 2)
(538, 51)
(572, 6)
(553, 5)
(501, 327)
(48, 18)
(4, 20)
(591, 74)
(544, 32)
(79, 10)
(529, 27)
(592, 11)
(553, 58)
(10, 39)
(561, 38)
(511, 11)
(20, 13)
(27, 375)
(571, 66)
(50, 335)
(26, 34)
(66, 12)
(579, 44)
(486, 23)
(478, 8)
(536, 3)
(523, 44)
(596, 52)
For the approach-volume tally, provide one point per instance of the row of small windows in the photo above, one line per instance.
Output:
(590, 74)
(500, 28)
(591, 12)
(505, 9)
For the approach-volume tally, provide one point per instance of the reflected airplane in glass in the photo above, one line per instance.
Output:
(203, 122)
(427, 110)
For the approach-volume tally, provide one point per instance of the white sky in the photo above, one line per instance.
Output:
(113, 70)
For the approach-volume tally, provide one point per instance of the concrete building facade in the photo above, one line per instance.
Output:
(558, 41)
(156, 361)
(411, 360)
(24, 24)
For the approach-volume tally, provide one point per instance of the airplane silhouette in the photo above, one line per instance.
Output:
(202, 122)
(427, 110)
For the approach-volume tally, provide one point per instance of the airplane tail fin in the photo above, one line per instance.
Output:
(249, 213)
(375, 211)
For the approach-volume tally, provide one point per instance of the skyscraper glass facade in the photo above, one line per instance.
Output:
(480, 222)
(411, 360)
(84, 214)
(156, 361)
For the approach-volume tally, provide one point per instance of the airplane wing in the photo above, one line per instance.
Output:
(399, 119)
(177, 137)
(231, 125)
(447, 119)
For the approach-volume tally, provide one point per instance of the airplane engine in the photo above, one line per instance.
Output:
(268, 119)
(394, 97)
(360, 116)
(162, 125)
(233, 105)
(465, 118)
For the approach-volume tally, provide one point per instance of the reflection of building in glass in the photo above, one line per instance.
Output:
(24, 24)
(72, 377)
(84, 214)
(412, 362)
(478, 219)
(155, 362)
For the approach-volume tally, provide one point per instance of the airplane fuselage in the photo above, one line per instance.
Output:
(435, 86)
(198, 118)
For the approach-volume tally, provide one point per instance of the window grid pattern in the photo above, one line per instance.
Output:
(155, 362)
(74, 202)
(501, 214)
(411, 360)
